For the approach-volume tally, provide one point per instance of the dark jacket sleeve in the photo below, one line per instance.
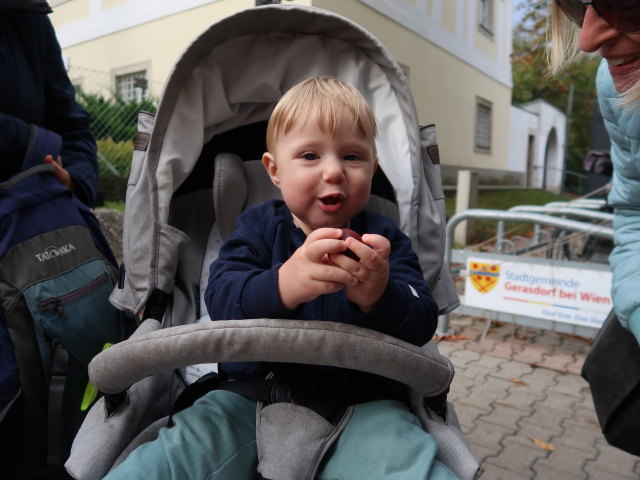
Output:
(407, 309)
(36, 90)
(243, 282)
(14, 137)
(66, 117)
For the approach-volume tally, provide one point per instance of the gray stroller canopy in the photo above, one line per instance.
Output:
(232, 75)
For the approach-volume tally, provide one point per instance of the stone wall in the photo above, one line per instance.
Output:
(111, 223)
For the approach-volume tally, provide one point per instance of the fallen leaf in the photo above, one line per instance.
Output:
(517, 382)
(451, 338)
(576, 337)
(550, 447)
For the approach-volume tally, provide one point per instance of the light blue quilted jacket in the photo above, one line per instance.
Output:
(624, 130)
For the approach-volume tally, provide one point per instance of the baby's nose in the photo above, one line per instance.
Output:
(333, 169)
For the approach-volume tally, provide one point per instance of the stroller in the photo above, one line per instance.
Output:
(196, 167)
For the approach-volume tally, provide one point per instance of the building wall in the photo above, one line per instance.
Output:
(547, 127)
(451, 62)
(550, 146)
(104, 41)
(523, 125)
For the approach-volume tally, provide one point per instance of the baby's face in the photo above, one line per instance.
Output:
(324, 177)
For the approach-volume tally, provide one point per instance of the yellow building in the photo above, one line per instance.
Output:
(456, 54)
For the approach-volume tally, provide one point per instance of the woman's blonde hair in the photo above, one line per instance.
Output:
(331, 101)
(563, 39)
(564, 48)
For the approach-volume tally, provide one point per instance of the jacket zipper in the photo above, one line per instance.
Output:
(57, 303)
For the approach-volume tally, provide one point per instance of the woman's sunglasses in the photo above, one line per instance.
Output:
(623, 15)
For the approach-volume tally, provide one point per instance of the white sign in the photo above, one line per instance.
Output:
(562, 294)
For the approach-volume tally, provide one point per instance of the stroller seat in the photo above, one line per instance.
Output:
(153, 350)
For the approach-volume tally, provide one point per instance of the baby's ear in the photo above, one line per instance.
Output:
(269, 162)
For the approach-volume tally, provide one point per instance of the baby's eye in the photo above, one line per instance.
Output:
(309, 156)
(351, 157)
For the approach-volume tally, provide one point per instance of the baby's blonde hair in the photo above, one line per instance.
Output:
(564, 37)
(331, 101)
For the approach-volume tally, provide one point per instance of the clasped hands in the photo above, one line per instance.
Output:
(319, 267)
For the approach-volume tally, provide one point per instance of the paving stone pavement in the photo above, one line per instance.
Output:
(523, 406)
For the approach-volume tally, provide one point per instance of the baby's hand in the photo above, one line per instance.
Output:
(308, 273)
(371, 269)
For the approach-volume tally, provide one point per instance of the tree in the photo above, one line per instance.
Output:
(531, 81)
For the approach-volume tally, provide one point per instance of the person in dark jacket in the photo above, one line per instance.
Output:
(286, 260)
(40, 122)
(37, 100)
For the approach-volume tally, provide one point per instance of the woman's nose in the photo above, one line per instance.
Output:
(595, 31)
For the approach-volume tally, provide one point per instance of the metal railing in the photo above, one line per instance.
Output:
(522, 215)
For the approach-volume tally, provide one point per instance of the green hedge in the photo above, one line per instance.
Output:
(114, 158)
(114, 117)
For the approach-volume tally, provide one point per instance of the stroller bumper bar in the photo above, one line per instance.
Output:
(270, 340)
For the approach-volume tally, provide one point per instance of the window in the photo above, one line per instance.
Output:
(131, 83)
(132, 86)
(483, 126)
(486, 16)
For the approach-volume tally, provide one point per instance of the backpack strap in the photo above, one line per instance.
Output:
(55, 430)
(42, 142)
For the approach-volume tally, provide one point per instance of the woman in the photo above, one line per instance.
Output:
(612, 29)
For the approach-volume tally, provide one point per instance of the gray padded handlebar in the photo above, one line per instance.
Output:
(298, 341)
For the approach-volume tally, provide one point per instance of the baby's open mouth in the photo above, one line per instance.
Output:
(331, 199)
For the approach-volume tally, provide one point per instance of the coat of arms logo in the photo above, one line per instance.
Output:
(484, 276)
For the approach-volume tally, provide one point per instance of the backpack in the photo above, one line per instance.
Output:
(56, 274)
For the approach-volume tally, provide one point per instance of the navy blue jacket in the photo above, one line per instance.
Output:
(35, 89)
(243, 281)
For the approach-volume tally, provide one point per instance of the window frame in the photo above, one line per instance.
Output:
(118, 73)
(486, 14)
(483, 103)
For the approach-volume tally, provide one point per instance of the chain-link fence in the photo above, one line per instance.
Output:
(113, 121)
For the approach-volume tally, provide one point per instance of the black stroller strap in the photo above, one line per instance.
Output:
(326, 393)
(254, 389)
